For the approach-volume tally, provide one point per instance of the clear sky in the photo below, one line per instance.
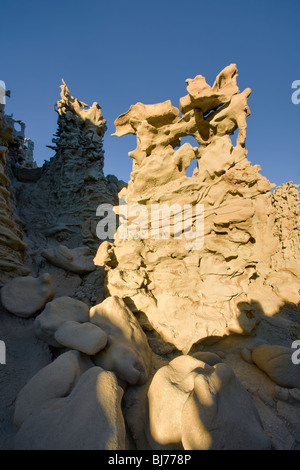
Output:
(119, 52)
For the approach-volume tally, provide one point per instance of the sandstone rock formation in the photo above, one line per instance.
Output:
(127, 352)
(53, 208)
(176, 333)
(72, 183)
(224, 264)
(198, 407)
(53, 381)
(98, 425)
(12, 246)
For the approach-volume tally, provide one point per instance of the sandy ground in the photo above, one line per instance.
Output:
(25, 356)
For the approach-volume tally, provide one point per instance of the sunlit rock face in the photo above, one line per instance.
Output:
(209, 271)
(194, 406)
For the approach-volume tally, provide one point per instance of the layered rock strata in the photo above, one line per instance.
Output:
(200, 256)
(12, 245)
(60, 207)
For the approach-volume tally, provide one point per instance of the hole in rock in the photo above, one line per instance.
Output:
(17, 127)
(208, 113)
(190, 170)
(189, 139)
(233, 138)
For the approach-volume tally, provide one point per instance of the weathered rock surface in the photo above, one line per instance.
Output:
(127, 352)
(12, 246)
(223, 254)
(285, 200)
(88, 418)
(198, 407)
(85, 337)
(72, 183)
(228, 418)
(57, 312)
(53, 381)
(57, 202)
(26, 296)
(276, 362)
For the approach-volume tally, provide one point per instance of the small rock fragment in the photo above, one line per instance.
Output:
(85, 337)
(77, 260)
(276, 362)
(55, 314)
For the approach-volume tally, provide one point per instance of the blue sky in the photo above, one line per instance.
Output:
(121, 52)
